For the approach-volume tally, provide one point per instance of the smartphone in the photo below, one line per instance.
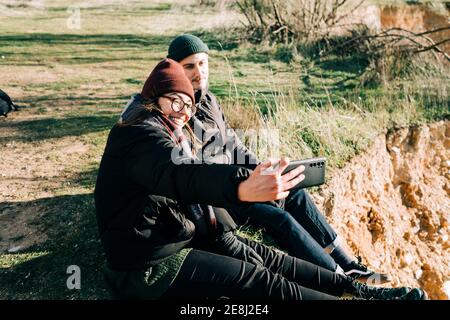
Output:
(314, 172)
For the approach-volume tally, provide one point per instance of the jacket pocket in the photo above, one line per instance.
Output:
(164, 216)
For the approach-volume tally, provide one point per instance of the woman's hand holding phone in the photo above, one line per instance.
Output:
(266, 182)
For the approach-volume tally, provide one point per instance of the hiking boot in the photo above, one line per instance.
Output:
(363, 291)
(358, 271)
(415, 294)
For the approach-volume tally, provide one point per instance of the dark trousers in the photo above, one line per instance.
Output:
(297, 226)
(208, 275)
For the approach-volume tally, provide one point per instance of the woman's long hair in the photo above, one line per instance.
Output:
(139, 114)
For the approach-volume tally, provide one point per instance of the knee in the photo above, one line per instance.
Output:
(298, 198)
(298, 194)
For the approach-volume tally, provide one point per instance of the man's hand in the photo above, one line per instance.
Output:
(266, 182)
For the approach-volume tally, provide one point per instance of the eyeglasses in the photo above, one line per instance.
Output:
(178, 104)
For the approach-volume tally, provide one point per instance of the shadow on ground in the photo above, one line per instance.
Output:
(47, 128)
(110, 47)
(70, 226)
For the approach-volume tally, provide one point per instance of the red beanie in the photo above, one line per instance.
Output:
(168, 76)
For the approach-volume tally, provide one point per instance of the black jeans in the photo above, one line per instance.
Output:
(298, 227)
(206, 275)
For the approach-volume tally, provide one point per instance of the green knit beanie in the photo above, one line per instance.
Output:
(184, 45)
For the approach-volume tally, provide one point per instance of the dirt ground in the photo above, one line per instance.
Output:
(33, 170)
(392, 206)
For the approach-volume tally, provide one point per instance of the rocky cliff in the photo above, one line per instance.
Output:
(392, 206)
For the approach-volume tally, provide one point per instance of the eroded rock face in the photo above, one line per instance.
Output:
(392, 206)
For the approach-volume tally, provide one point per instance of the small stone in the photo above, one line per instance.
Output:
(396, 150)
(426, 266)
(14, 249)
(406, 260)
(423, 234)
(418, 274)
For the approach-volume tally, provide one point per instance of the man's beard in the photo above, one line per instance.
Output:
(200, 94)
(202, 88)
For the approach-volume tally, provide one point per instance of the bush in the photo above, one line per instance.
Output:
(287, 21)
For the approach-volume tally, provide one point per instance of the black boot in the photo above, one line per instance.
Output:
(360, 272)
(360, 290)
(356, 270)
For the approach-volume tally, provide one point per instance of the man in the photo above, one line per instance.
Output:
(295, 222)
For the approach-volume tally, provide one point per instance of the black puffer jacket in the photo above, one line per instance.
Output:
(136, 229)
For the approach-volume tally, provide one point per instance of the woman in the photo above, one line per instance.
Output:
(153, 214)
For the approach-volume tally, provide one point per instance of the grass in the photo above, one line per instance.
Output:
(73, 83)
(40, 272)
(329, 112)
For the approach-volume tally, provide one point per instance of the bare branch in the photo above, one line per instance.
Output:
(436, 48)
